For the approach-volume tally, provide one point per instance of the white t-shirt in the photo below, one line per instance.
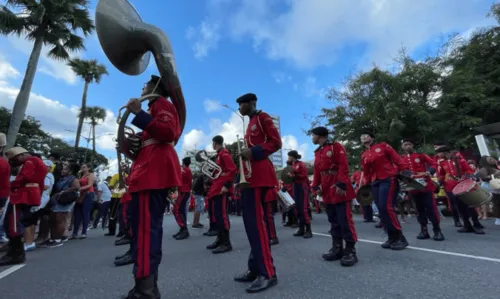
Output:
(106, 193)
(48, 182)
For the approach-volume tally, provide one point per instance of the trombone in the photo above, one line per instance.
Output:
(243, 182)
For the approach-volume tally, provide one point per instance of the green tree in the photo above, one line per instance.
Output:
(53, 23)
(90, 71)
(95, 115)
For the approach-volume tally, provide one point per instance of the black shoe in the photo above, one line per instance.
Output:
(125, 260)
(294, 225)
(336, 252)
(245, 277)
(144, 289)
(458, 223)
(210, 233)
(400, 241)
(261, 284)
(424, 233)
(274, 241)
(123, 241)
(120, 235)
(184, 234)
(478, 230)
(109, 234)
(199, 225)
(225, 244)
(438, 235)
(288, 224)
(308, 232)
(349, 258)
(466, 229)
(390, 240)
(216, 243)
(15, 254)
(123, 255)
(177, 233)
(300, 232)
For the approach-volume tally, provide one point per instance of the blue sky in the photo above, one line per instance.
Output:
(287, 52)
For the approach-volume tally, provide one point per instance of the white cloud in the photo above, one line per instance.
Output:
(315, 32)
(7, 71)
(54, 68)
(281, 77)
(211, 105)
(290, 142)
(205, 38)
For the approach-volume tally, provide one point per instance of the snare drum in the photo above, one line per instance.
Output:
(471, 193)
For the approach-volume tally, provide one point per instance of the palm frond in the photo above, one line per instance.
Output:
(10, 23)
(58, 52)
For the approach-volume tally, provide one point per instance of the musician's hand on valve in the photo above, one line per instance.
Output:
(224, 190)
(246, 154)
(134, 105)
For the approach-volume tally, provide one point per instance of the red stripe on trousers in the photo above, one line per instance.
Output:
(262, 230)
(350, 221)
(390, 209)
(305, 203)
(224, 211)
(144, 236)
(270, 220)
(176, 210)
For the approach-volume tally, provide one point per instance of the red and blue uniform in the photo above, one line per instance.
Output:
(424, 200)
(380, 165)
(263, 139)
(331, 172)
(301, 191)
(180, 206)
(149, 184)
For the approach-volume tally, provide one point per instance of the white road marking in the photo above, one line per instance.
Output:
(476, 257)
(11, 270)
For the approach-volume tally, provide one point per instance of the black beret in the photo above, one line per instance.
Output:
(246, 98)
(294, 154)
(154, 80)
(320, 131)
(443, 149)
(410, 140)
(186, 160)
(368, 132)
(218, 139)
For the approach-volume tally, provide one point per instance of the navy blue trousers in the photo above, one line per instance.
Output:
(465, 211)
(385, 193)
(211, 215)
(220, 213)
(82, 213)
(146, 215)
(301, 197)
(426, 208)
(180, 209)
(367, 212)
(260, 259)
(341, 222)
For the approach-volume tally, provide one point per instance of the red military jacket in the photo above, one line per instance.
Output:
(160, 130)
(263, 139)
(187, 179)
(448, 168)
(299, 173)
(4, 178)
(226, 178)
(331, 171)
(415, 163)
(27, 188)
(380, 161)
(356, 178)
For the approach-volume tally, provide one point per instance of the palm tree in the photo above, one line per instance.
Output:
(53, 23)
(95, 115)
(90, 71)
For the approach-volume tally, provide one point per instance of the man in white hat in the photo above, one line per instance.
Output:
(4, 183)
(26, 192)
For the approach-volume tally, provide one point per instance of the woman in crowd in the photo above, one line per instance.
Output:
(59, 217)
(84, 204)
(488, 168)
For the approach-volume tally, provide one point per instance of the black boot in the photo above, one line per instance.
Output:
(216, 243)
(336, 252)
(438, 235)
(477, 226)
(123, 241)
(15, 254)
(467, 228)
(248, 276)
(400, 241)
(144, 289)
(349, 258)
(390, 240)
(300, 232)
(424, 233)
(183, 234)
(308, 232)
(125, 260)
(177, 233)
(225, 245)
(123, 255)
(274, 241)
(262, 283)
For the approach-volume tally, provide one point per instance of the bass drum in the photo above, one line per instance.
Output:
(471, 193)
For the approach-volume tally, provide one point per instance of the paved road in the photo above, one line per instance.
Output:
(456, 268)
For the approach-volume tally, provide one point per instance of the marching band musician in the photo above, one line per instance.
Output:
(25, 192)
(263, 139)
(380, 164)
(449, 178)
(180, 206)
(149, 186)
(423, 167)
(292, 213)
(331, 179)
(219, 191)
(300, 194)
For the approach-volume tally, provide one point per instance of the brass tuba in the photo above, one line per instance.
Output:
(127, 41)
(208, 167)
